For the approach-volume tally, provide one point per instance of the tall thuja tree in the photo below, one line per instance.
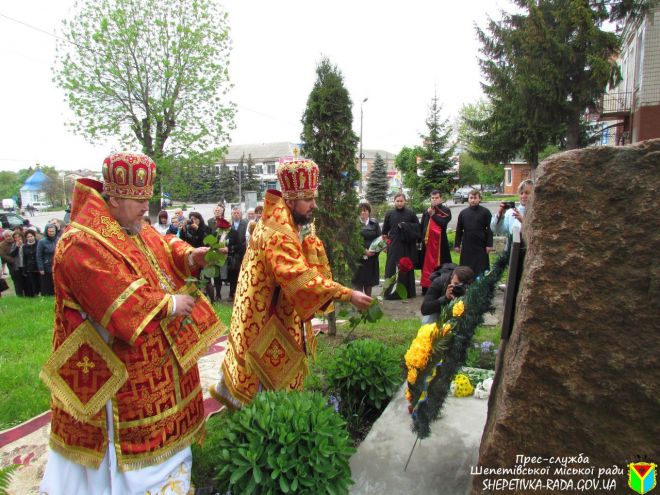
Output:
(329, 140)
(438, 150)
(378, 183)
(150, 73)
(543, 68)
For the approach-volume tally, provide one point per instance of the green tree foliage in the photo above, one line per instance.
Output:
(438, 150)
(543, 68)
(250, 180)
(228, 184)
(54, 187)
(149, 72)
(471, 169)
(9, 184)
(181, 176)
(378, 182)
(406, 163)
(329, 140)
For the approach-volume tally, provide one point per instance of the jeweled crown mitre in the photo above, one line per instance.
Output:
(129, 175)
(299, 179)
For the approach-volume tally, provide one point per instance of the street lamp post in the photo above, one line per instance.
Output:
(361, 154)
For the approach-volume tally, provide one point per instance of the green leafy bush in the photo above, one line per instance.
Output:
(281, 443)
(364, 374)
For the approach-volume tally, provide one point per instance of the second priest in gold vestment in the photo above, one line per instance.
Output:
(284, 280)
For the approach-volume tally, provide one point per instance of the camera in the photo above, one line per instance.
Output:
(509, 204)
(458, 290)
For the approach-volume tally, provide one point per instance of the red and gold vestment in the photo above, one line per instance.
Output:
(115, 340)
(283, 282)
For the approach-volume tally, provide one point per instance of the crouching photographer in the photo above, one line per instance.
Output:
(447, 283)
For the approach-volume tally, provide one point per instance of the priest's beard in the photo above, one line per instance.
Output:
(301, 219)
(133, 229)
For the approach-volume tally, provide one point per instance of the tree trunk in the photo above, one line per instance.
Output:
(573, 133)
(332, 323)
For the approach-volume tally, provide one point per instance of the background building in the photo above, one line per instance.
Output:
(34, 189)
(630, 112)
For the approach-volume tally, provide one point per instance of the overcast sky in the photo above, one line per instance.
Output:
(396, 54)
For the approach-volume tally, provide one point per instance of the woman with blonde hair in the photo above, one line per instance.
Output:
(510, 215)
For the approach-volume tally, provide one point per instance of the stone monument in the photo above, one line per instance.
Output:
(577, 395)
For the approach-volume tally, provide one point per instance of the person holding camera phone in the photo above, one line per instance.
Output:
(508, 214)
(448, 282)
(194, 230)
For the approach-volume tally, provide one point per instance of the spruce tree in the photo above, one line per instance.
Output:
(329, 140)
(228, 185)
(543, 67)
(438, 150)
(250, 180)
(378, 182)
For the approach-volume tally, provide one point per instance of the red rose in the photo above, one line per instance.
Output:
(221, 223)
(388, 241)
(405, 265)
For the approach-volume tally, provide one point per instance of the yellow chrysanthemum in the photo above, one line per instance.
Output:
(434, 332)
(463, 386)
(417, 356)
(421, 347)
(458, 309)
(446, 328)
(412, 375)
(408, 395)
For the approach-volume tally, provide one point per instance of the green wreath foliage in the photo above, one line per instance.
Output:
(451, 351)
(281, 443)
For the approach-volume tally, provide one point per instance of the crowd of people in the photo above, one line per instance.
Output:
(426, 244)
(27, 255)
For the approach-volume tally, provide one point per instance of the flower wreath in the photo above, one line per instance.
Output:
(426, 353)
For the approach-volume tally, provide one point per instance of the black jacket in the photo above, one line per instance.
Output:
(237, 245)
(435, 297)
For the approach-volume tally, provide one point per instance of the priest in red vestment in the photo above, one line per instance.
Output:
(126, 397)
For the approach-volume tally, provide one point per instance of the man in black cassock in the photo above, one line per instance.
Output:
(474, 239)
(401, 228)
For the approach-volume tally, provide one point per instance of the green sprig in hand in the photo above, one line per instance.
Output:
(375, 312)
(215, 259)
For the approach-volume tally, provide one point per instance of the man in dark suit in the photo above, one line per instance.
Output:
(237, 247)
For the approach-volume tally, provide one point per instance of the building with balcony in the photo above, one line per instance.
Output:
(630, 112)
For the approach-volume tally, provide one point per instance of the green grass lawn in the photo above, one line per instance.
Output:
(26, 333)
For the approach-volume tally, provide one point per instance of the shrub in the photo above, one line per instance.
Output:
(365, 374)
(281, 443)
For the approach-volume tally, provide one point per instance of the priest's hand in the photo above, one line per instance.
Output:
(360, 300)
(198, 256)
(183, 305)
